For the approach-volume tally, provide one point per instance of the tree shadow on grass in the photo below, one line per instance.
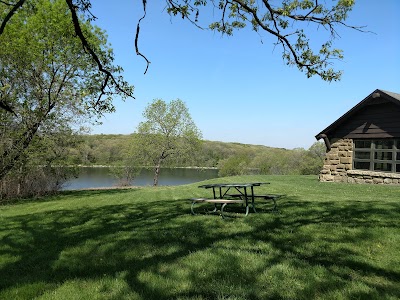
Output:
(55, 246)
(70, 194)
(148, 241)
(342, 237)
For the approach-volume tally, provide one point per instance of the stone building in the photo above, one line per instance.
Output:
(363, 145)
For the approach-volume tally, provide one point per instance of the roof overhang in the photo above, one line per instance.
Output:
(375, 96)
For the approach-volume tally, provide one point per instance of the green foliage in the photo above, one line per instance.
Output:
(328, 241)
(292, 23)
(40, 168)
(126, 173)
(318, 150)
(131, 165)
(48, 80)
(167, 132)
(237, 164)
(229, 158)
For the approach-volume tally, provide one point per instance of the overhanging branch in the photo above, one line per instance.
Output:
(137, 37)
(87, 47)
(14, 8)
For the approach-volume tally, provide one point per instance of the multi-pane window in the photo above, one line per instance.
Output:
(377, 155)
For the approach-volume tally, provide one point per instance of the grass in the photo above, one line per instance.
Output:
(328, 241)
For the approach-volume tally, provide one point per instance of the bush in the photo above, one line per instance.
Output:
(235, 165)
(34, 182)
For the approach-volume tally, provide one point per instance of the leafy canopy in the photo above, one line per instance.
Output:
(49, 82)
(168, 132)
(292, 24)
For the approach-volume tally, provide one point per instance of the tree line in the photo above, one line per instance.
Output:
(228, 158)
(57, 71)
(44, 167)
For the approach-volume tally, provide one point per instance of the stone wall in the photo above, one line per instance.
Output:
(359, 176)
(338, 165)
(337, 161)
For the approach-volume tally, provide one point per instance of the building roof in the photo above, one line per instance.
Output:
(394, 95)
(375, 97)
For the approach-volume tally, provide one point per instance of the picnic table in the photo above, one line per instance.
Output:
(228, 193)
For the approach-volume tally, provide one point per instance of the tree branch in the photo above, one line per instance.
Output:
(7, 108)
(14, 8)
(7, 3)
(137, 37)
(282, 39)
(86, 46)
(274, 21)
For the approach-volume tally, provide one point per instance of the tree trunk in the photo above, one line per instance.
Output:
(156, 173)
(12, 156)
(157, 170)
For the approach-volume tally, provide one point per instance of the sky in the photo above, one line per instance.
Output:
(237, 88)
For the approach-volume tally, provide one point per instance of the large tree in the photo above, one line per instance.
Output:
(48, 81)
(293, 25)
(168, 132)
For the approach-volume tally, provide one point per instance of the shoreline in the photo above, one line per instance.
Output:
(147, 167)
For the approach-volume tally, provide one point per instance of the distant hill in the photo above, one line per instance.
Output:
(112, 149)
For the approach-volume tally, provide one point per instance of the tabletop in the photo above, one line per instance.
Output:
(249, 184)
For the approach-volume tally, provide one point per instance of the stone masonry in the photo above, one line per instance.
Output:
(337, 161)
(338, 167)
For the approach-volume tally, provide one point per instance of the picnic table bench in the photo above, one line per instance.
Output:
(272, 197)
(223, 203)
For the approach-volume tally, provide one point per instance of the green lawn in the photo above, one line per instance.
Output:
(328, 241)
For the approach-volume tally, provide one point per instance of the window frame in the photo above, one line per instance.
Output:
(374, 152)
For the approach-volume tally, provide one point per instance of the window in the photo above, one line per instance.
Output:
(377, 155)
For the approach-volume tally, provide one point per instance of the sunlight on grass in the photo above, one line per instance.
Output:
(327, 241)
(106, 287)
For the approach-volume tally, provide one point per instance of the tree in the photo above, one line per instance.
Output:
(290, 22)
(237, 164)
(167, 132)
(41, 168)
(130, 162)
(312, 162)
(318, 150)
(48, 81)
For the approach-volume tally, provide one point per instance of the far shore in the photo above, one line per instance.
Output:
(146, 167)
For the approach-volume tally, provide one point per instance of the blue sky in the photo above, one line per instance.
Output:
(238, 89)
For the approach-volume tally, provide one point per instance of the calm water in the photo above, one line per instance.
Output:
(101, 177)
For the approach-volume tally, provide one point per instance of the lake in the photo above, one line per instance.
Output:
(92, 177)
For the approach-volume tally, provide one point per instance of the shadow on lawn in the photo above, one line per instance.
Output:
(137, 239)
(71, 194)
(350, 223)
(60, 245)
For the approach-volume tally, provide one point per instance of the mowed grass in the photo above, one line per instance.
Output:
(328, 241)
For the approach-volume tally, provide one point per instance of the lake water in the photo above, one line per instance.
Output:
(100, 177)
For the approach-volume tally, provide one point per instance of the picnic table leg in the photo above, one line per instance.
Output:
(222, 210)
(223, 206)
(247, 210)
(252, 199)
(245, 199)
(215, 208)
(274, 208)
(191, 208)
(246, 196)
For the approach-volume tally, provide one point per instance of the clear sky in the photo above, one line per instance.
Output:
(238, 89)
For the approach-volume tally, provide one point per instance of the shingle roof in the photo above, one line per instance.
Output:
(393, 97)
